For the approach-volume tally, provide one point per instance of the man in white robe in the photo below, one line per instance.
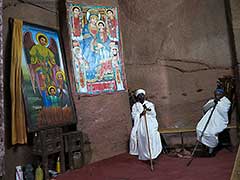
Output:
(207, 132)
(139, 138)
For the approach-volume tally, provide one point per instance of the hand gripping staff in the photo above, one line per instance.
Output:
(205, 127)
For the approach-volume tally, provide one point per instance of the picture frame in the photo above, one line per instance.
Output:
(45, 85)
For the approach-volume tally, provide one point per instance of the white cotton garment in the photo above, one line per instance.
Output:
(138, 138)
(217, 123)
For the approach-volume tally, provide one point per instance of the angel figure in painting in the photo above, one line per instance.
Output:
(43, 62)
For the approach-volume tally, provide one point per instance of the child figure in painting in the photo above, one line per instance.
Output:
(102, 41)
(52, 96)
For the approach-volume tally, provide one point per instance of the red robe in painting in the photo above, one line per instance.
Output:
(112, 25)
(77, 24)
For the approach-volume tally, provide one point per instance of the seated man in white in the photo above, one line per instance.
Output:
(139, 138)
(214, 121)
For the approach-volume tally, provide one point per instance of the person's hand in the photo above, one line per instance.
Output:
(216, 100)
(145, 108)
(143, 113)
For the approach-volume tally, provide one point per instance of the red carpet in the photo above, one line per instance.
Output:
(126, 167)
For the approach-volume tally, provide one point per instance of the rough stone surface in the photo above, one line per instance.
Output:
(106, 121)
(176, 51)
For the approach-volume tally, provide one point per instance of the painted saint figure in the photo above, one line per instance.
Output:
(40, 66)
(116, 63)
(52, 96)
(111, 24)
(102, 41)
(87, 43)
(76, 21)
(80, 66)
(62, 89)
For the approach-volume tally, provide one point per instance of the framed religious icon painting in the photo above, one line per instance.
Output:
(96, 49)
(46, 92)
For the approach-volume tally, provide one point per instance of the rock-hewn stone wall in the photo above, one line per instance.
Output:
(176, 50)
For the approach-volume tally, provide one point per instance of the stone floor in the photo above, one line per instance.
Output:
(166, 167)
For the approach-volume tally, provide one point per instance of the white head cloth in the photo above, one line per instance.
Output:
(139, 91)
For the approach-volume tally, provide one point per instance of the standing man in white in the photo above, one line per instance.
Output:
(214, 121)
(142, 141)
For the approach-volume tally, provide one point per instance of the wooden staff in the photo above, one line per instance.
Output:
(149, 148)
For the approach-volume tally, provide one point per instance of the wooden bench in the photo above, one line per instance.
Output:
(180, 131)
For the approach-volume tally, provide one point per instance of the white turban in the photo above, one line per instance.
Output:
(139, 91)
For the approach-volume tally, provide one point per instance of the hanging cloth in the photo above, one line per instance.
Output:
(19, 135)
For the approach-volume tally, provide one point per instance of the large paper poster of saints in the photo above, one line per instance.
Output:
(46, 94)
(96, 49)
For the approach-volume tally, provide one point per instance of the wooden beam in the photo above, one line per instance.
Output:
(182, 130)
(236, 169)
